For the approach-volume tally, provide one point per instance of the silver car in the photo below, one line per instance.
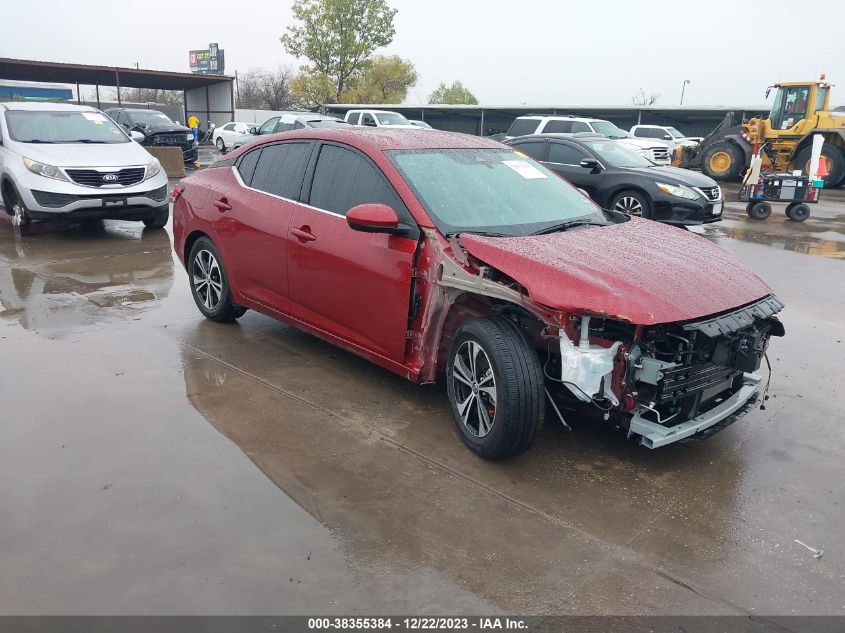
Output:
(62, 161)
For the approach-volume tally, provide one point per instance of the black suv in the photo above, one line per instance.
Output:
(619, 178)
(158, 130)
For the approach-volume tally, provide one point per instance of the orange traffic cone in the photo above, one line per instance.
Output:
(823, 168)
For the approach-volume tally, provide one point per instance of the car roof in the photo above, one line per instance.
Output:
(49, 106)
(562, 117)
(578, 136)
(384, 139)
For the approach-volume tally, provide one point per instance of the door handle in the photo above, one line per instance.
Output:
(222, 205)
(303, 234)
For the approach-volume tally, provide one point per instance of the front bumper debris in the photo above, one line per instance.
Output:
(654, 435)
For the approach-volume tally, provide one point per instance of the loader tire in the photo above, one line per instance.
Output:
(835, 163)
(723, 161)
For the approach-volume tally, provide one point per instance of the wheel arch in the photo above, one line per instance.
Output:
(193, 236)
(834, 137)
(617, 189)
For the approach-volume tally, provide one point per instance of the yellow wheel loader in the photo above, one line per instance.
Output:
(800, 110)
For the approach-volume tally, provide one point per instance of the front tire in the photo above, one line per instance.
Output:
(835, 163)
(723, 161)
(632, 202)
(495, 386)
(759, 210)
(209, 284)
(15, 207)
(159, 218)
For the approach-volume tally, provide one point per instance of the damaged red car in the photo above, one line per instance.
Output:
(446, 256)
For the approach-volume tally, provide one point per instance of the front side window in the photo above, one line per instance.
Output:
(38, 126)
(268, 126)
(565, 154)
(391, 118)
(344, 179)
(489, 190)
(354, 118)
(281, 169)
(606, 128)
(367, 119)
(580, 126)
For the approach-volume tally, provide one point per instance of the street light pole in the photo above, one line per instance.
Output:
(683, 89)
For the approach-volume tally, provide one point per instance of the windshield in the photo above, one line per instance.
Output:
(327, 123)
(28, 126)
(617, 155)
(391, 118)
(675, 133)
(149, 117)
(490, 190)
(606, 128)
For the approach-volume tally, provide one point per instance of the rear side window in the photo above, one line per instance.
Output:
(557, 127)
(281, 168)
(354, 118)
(521, 127)
(534, 149)
(246, 166)
(565, 154)
(344, 179)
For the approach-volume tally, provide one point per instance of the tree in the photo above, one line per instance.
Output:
(314, 90)
(264, 90)
(151, 95)
(454, 94)
(384, 80)
(337, 36)
(643, 99)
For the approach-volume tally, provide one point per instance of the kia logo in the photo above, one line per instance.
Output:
(110, 177)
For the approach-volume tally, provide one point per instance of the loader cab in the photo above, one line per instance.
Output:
(795, 103)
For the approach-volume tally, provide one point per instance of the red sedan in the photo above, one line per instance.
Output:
(436, 254)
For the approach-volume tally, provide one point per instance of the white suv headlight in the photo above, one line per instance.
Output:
(153, 168)
(677, 190)
(42, 169)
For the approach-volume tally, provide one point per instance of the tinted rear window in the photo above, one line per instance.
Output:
(557, 127)
(246, 166)
(521, 127)
(534, 149)
(281, 168)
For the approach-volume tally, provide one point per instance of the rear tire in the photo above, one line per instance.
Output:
(158, 219)
(632, 202)
(221, 145)
(496, 388)
(760, 210)
(723, 161)
(835, 163)
(209, 283)
(798, 212)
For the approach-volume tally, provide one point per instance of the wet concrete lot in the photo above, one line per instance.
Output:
(155, 463)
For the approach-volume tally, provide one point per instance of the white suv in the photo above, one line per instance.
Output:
(665, 133)
(656, 151)
(62, 161)
(377, 118)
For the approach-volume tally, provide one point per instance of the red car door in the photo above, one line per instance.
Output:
(254, 220)
(351, 284)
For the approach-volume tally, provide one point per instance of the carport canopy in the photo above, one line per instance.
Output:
(211, 96)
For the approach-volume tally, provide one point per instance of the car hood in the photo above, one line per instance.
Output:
(675, 175)
(640, 271)
(86, 155)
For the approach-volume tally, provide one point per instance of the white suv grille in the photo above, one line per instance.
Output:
(660, 154)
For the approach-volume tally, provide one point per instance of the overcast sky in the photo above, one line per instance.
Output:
(541, 52)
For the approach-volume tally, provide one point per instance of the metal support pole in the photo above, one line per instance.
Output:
(78, 96)
(117, 83)
(639, 116)
(97, 90)
(207, 113)
(482, 122)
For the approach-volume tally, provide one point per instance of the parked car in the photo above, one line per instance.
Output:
(225, 135)
(285, 123)
(657, 151)
(158, 130)
(622, 180)
(671, 135)
(435, 253)
(377, 118)
(62, 161)
(421, 124)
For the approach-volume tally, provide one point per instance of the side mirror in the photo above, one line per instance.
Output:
(253, 130)
(667, 137)
(590, 163)
(136, 136)
(374, 218)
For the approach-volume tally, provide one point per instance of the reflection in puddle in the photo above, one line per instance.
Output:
(819, 241)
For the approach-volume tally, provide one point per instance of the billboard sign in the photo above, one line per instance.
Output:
(207, 62)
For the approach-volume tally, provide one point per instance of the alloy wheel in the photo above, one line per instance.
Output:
(207, 279)
(629, 204)
(475, 388)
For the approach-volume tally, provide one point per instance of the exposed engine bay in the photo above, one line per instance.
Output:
(667, 382)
